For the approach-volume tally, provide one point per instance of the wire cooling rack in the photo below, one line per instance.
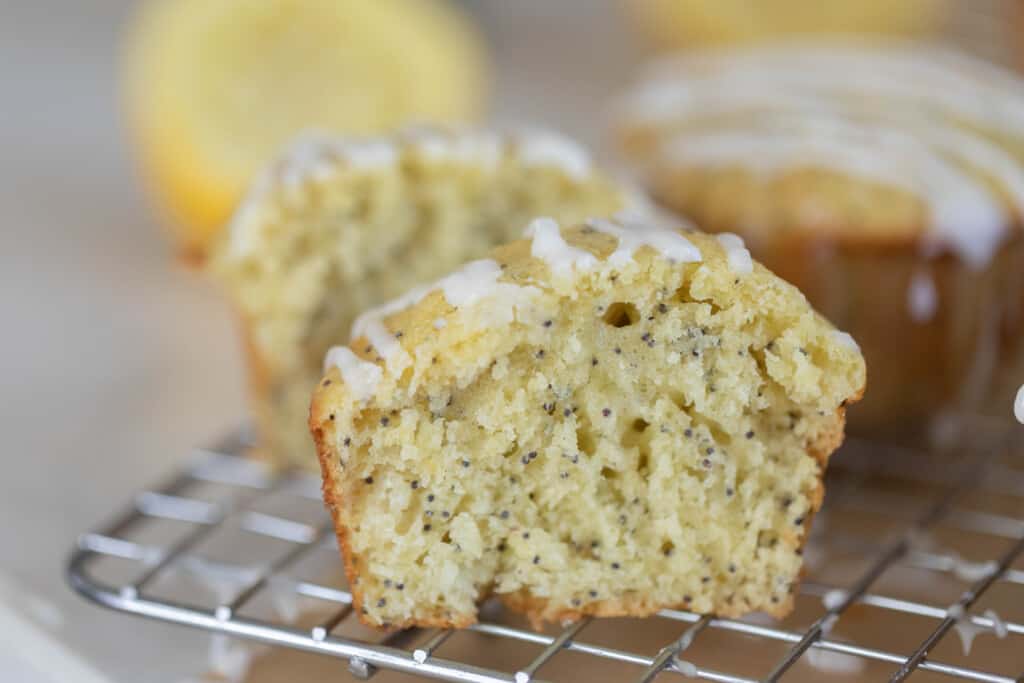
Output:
(910, 547)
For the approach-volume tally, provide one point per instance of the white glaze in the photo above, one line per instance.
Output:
(834, 662)
(964, 628)
(312, 157)
(384, 342)
(922, 299)
(407, 300)
(964, 214)
(361, 377)
(545, 148)
(473, 282)
(686, 668)
(967, 629)
(477, 146)
(904, 75)
(230, 659)
(548, 245)
(736, 252)
(998, 625)
(478, 280)
(315, 157)
(634, 233)
(366, 154)
(892, 114)
(222, 581)
(286, 600)
(973, 571)
(1018, 405)
(846, 340)
(833, 598)
(776, 149)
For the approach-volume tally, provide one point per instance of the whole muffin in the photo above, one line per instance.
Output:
(338, 226)
(886, 182)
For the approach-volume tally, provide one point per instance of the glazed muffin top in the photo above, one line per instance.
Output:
(480, 432)
(867, 144)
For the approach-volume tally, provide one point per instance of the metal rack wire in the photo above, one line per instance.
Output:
(929, 511)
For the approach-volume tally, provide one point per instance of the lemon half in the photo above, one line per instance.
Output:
(215, 87)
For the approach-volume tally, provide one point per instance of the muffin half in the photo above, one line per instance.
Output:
(607, 419)
(339, 226)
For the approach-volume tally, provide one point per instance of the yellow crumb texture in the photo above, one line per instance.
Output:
(637, 436)
(303, 258)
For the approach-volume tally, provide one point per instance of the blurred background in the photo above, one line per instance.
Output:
(118, 359)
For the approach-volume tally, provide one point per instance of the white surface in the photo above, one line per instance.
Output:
(114, 361)
(29, 652)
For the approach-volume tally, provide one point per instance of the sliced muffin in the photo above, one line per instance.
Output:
(606, 419)
(339, 226)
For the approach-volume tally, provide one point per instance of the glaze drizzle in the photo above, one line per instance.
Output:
(924, 120)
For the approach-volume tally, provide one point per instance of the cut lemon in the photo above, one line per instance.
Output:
(216, 87)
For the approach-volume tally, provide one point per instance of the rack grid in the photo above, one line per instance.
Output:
(953, 521)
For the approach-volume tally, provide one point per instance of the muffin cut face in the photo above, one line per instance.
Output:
(340, 226)
(606, 420)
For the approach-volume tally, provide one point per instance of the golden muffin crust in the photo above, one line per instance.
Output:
(607, 419)
(885, 181)
(340, 225)
(892, 143)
